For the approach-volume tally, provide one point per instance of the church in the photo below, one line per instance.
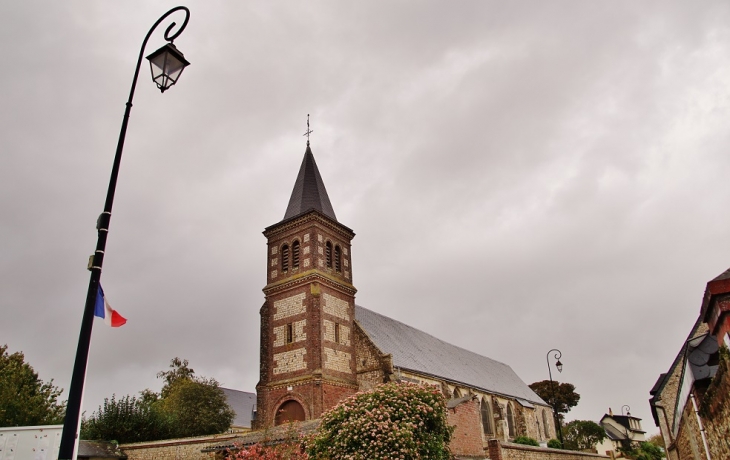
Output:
(318, 346)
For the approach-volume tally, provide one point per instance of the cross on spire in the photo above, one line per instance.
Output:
(309, 131)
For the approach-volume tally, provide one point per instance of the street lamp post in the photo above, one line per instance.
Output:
(628, 410)
(166, 65)
(559, 366)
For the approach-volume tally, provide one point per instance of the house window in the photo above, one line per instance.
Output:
(337, 332)
(295, 254)
(510, 421)
(486, 418)
(328, 255)
(456, 393)
(289, 333)
(285, 258)
(338, 259)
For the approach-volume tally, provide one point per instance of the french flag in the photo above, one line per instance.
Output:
(104, 311)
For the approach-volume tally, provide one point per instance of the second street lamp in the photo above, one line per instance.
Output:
(559, 366)
(167, 64)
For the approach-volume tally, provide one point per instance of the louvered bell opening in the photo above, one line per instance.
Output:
(295, 254)
(167, 64)
(285, 258)
(338, 259)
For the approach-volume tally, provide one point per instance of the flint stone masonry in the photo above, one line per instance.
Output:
(329, 332)
(289, 361)
(274, 261)
(306, 262)
(274, 273)
(319, 238)
(290, 306)
(298, 334)
(274, 250)
(320, 250)
(344, 335)
(306, 237)
(337, 360)
(306, 250)
(335, 307)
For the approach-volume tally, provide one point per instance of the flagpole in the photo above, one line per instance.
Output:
(73, 406)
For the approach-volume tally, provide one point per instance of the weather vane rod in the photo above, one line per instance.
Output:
(309, 131)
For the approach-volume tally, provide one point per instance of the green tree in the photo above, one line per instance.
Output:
(565, 395)
(24, 398)
(127, 419)
(394, 420)
(188, 405)
(582, 434)
(197, 406)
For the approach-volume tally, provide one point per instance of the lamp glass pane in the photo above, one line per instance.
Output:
(157, 64)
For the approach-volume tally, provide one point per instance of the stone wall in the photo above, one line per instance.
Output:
(500, 450)
(175, 449)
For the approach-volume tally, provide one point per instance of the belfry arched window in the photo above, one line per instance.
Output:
(486, 412)
(328, 254)
(290, 411)
(338, 259)
(295, 254)
(285, 258)
(510, 421)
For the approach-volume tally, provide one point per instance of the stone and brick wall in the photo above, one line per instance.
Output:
(500, 450)
(467, 438)
(175, 449)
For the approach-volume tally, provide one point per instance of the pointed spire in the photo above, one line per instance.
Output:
(309, 192)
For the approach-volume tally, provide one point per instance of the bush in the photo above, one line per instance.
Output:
(554, 444)
(526, 440)
(394, 420)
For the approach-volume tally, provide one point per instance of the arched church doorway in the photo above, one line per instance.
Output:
(290, 411)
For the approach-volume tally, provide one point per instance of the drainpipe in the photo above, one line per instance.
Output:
(702, 428)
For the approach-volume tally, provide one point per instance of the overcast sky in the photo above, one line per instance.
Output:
(521, 176)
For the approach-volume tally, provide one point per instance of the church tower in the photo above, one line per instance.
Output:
(307, 344)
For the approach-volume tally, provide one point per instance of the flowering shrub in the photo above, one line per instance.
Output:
(393, 421)
(286, 451)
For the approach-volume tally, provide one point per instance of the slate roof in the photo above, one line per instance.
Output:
(242, 403)
(418, 351)
(309, 192)
(99, 449)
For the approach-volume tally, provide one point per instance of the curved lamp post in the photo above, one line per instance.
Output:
(559, 366)
(628, 410)
(166, 64)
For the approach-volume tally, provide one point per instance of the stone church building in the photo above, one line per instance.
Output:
(318, 346)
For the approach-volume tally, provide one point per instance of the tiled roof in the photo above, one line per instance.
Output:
(309, 192)
(423, 353)
(242, 403)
